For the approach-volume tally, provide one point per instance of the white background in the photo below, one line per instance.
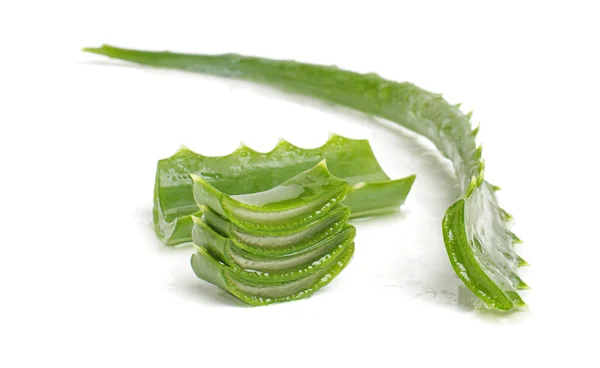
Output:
(85, 283)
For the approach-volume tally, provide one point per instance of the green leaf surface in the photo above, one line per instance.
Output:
(246, 171)
(209, 269)
(478, 242)
(271, 268)
(281, 241)
(301, 199)
(289, 237)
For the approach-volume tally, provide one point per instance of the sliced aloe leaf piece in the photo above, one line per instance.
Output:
(270, 245)
(371, 191)
(478, 242)
(301, 199)
(210, 269)
(282, 241)
(270, 268)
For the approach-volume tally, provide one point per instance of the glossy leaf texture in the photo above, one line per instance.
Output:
(280, 241)
(271, 267)
(247, 171)
(479, 244)
(256, 293)
(298, 200)
(277, 245)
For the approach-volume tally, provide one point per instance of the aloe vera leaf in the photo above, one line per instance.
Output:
(302, 198)
(270, 268)
(371, 190)
(209, 269)
(478, 242)
(279, 242)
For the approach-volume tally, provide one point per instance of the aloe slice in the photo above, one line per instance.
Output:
(479, 244)
(298, 200)
(282, 241)
(371, 190)
(269, 268)
(209, 269)
(289, 239)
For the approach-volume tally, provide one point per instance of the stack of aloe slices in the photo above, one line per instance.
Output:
(271, 227)
(276, 245)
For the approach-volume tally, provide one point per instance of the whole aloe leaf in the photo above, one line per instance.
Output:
(371, 190)
(479, 244)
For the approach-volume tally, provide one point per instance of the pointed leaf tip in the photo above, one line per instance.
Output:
(522, 262)
(94, 50)
(472, 186)
(515, 238)
(505, 215)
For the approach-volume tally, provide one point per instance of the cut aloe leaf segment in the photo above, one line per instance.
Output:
(371, 191)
